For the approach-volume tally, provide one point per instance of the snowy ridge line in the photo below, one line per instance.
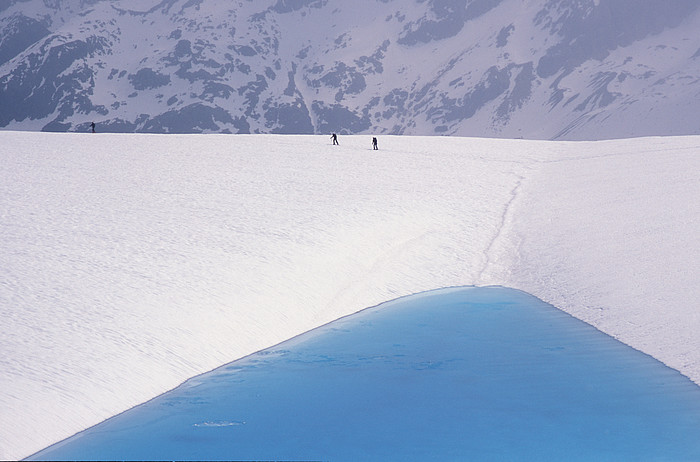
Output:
(173, 254)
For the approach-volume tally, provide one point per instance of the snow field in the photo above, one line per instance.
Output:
(132, 262)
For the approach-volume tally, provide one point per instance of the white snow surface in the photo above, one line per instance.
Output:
(130, 263)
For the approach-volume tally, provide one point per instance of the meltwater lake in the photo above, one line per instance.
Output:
(454, 374)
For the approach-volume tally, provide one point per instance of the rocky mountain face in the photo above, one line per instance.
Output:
(547, 69)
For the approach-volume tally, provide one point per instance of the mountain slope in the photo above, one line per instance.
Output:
(565, 69)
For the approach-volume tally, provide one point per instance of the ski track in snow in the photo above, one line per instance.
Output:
(132, 262)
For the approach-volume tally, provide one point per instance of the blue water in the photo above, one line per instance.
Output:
(455, 374)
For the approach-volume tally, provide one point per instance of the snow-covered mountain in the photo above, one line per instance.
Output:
(562, 69)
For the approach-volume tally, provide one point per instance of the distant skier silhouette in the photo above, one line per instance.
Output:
(92, 126)
(334, 137)
(374, 143)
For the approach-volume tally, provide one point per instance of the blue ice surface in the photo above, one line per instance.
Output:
(454, 374)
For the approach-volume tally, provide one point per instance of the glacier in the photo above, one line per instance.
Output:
(132, 262)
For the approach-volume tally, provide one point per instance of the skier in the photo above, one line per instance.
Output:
(374, 143)
(334, 137)
(92, 126)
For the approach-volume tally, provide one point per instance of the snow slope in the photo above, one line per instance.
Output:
(132, 262)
